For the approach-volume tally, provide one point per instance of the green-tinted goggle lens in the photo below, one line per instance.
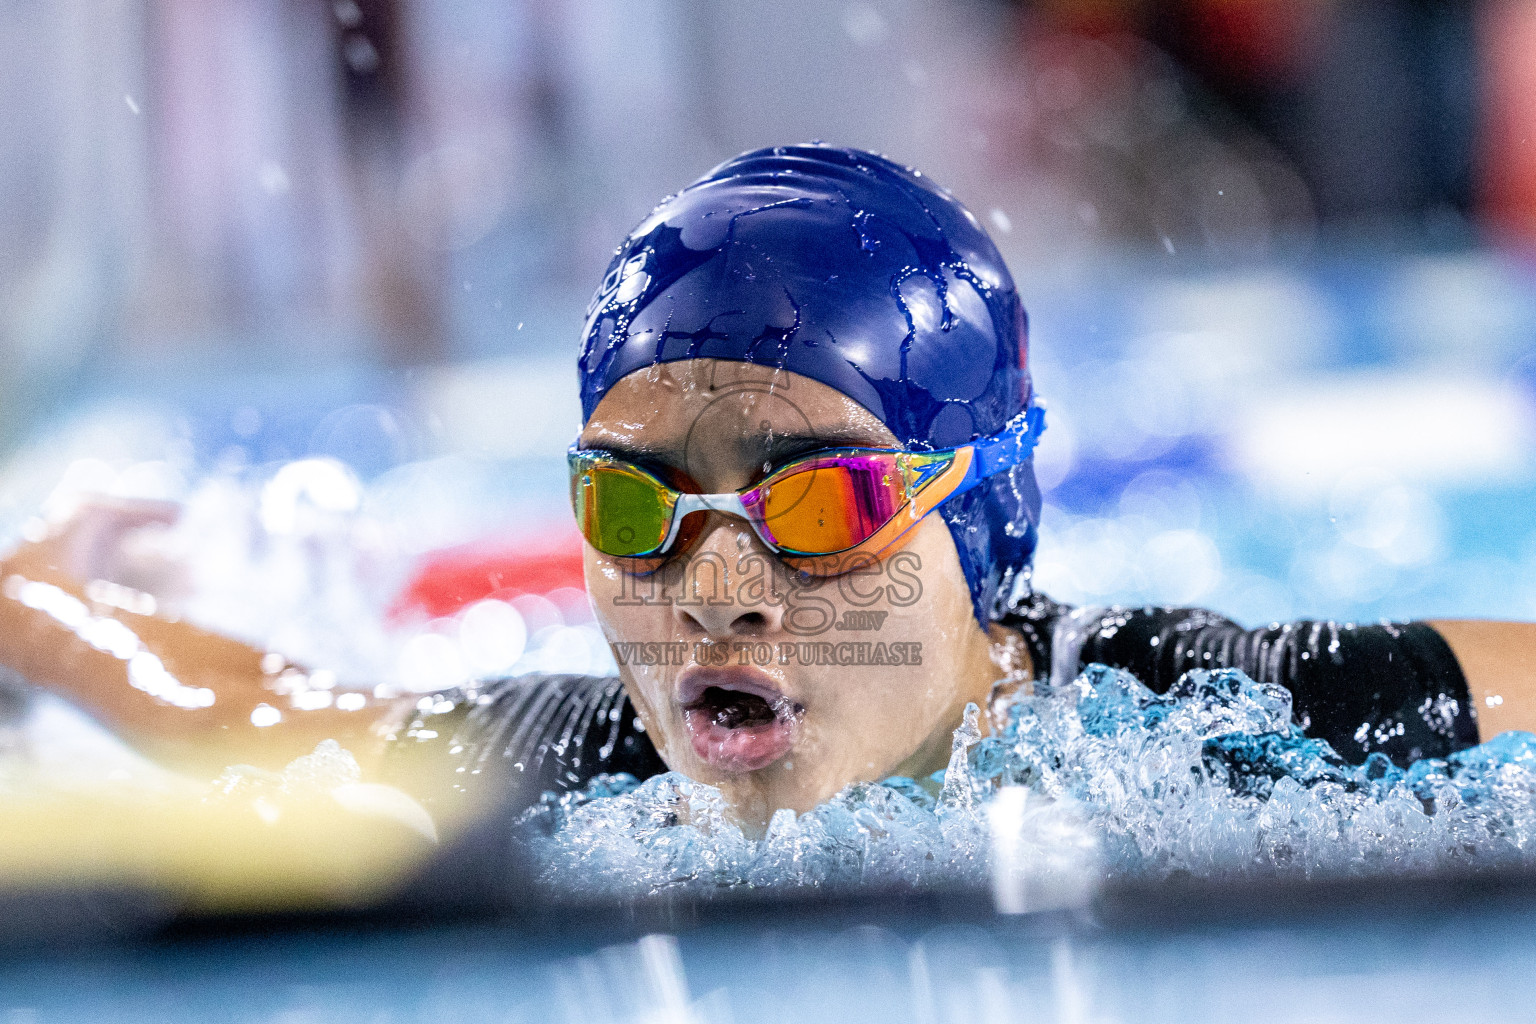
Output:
(622, 510)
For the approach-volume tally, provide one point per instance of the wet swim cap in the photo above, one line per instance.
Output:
(858, 273)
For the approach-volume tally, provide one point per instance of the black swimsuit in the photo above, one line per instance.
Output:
(1394, 688)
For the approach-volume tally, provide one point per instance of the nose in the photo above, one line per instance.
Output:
(707, 593)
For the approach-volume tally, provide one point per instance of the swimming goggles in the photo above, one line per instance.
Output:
(817, 512)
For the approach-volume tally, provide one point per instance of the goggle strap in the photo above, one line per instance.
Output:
(1007, 448)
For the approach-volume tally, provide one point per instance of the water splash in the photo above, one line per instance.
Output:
(313, 582)
(1100, 778)
(326, 768)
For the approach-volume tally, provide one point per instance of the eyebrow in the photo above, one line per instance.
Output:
(782, 447)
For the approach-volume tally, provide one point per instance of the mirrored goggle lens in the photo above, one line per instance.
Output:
(832, 503)
(621, 510)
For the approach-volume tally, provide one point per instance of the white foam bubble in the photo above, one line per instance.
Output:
(1095, 779)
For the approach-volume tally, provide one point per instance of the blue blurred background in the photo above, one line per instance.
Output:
(1276, 255)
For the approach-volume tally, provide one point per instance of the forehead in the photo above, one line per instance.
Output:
(726, 407)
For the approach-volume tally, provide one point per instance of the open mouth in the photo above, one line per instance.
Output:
(737, 720)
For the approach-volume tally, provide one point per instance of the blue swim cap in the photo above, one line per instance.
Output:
(858, 273)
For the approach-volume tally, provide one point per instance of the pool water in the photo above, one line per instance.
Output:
(1344, 955)
(1096, 779)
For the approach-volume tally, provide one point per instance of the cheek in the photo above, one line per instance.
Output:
(918, 597)
(626, 617)
(609, 591)
(927, 600)
(933, 605)
(629, 608)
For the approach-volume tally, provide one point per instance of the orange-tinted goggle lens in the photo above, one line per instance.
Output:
(833, 502)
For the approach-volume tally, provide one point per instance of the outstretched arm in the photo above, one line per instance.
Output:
(185, 696)
(1499, 661)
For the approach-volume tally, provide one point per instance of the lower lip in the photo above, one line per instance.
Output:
(737, 751)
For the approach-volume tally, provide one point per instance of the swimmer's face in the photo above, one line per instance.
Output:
(777, 689)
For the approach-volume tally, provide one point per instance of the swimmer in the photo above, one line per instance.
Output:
(805, 481)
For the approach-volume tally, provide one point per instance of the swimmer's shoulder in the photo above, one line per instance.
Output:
(525, 735)
(1390, 687)
(1062, 638)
